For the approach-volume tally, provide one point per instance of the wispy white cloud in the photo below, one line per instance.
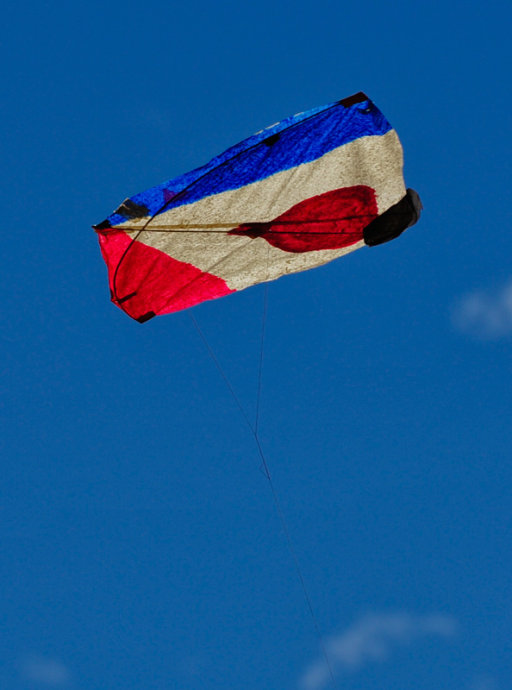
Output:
(485, 314)
(373, 638)
(47, 672)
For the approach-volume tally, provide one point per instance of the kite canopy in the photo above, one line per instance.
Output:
(294, 196)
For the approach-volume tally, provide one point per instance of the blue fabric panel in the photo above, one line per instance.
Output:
(156, 198)
(300, 139)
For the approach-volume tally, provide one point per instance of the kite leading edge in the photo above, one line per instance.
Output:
(294, 196)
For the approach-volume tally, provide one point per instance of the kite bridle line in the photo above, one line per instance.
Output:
(262, 343)
(266, 470)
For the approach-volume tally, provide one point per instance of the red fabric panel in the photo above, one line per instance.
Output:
(156, 282)
(331, 220)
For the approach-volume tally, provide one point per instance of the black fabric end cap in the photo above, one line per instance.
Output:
(272, 139)
(104, 225)
(352, 100)
(394, 221)
(146, 317)
(129, 209)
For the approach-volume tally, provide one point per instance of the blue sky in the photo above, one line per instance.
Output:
(140, 545)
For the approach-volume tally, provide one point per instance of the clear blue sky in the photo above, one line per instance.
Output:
(140, 548)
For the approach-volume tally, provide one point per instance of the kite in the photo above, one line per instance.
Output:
(294, 196)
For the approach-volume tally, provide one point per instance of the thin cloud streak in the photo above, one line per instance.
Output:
(47, 672)
(485, 314)
(373, 638)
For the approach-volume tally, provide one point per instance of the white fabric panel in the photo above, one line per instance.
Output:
(202, 240)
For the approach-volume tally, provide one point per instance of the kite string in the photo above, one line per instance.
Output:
(266, 469)
(262, 343)
(221, 371)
